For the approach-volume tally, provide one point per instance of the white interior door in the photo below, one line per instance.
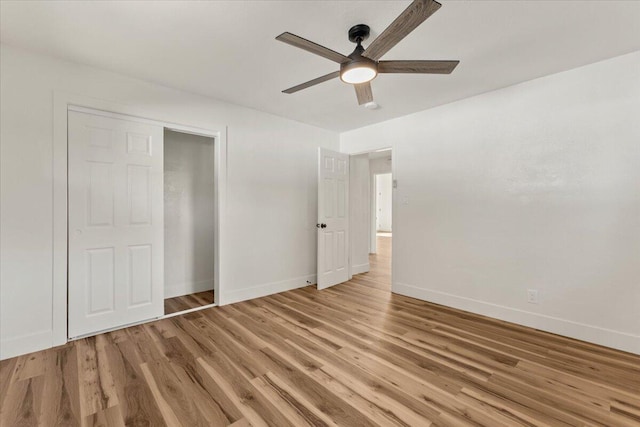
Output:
(116, 226)
(333, 218)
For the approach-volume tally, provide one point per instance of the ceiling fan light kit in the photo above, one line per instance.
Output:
(358, 71)
(363, 65)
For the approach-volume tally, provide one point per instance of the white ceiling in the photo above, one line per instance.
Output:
(226, 49)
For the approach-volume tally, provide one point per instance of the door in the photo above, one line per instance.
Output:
(116, 229)
(333, 218)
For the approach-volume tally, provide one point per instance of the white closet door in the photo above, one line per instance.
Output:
(333, 218)
(116, 228)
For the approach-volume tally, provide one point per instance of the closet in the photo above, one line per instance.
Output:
(141, 220)
(189, 213)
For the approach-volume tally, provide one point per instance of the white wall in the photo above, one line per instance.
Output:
(188, 213)
(383, 201)
(380, 164)
(359, 196)
(534, 186)
(270, 242)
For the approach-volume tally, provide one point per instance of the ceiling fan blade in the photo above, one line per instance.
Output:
(414, 15)
(422, 67)
(363, 92)
(313, 82)
(312, 47)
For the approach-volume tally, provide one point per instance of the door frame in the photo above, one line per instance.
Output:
(372, 206)
(62, 104)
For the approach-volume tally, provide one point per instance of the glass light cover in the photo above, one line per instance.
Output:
(357, 75)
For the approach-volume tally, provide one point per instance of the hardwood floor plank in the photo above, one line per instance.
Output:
(7, 369)
(137, 403)
(521, 414)
(29, 366)
(589, 412)
(192, 338)
(169, 416)
(245, 396)
(344, 370)
(626, 410)
(245, 360)
(393, 405)
(288, 330)
(18, 408)
(351, 355)
(183, 366)
(95, 390)
(439, 398)
(110, 417)
(174, 392)
(293, 406)
(58, 397)
(241, 423)
(323, 397)
(185, 302)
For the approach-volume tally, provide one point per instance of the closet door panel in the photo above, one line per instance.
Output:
(116, 235)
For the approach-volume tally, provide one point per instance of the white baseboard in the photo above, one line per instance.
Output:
(263, 290)
(187, 288)
(360, 268)
(25, 344)
(606, 337)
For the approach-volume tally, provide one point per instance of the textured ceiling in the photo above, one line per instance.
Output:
(226, 49)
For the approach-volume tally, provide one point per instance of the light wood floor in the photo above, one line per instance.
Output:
(185, 302)
(353, 355)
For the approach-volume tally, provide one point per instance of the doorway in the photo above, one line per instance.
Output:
(381, 199)
(371, 202)
(189, 212)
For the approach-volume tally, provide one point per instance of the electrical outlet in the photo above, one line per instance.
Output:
(532, 296)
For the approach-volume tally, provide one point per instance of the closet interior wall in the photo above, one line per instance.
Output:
(189, 213)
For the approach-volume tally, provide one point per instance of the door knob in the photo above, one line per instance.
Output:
(321, 225)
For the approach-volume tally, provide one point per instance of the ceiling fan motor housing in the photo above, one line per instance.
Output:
(359, 33)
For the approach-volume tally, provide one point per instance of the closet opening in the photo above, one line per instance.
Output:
(189, 221)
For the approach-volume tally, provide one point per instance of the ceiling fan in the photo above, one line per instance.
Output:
(363, 65)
